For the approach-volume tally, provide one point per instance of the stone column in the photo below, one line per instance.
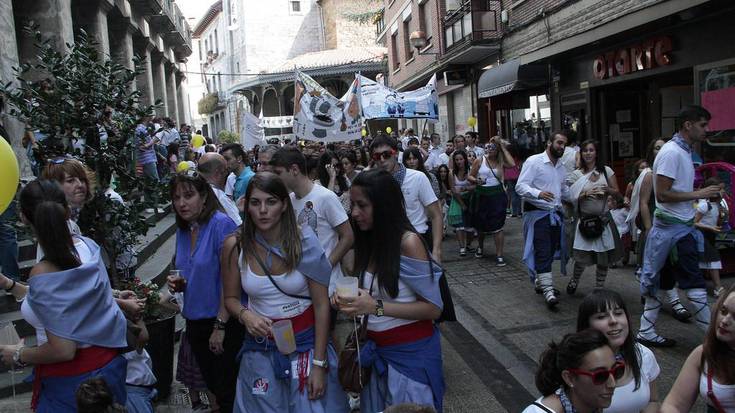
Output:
(93, 19)
(171, 94)
(183, 99)
(159, 84)
(145, 80)
(55, 23)
(8, 60)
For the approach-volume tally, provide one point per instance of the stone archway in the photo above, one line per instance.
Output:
(271, 105)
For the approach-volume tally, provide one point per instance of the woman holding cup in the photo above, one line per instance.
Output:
(400, 296)
(203, 233)
(286, 362)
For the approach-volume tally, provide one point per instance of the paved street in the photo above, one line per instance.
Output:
(490, 355)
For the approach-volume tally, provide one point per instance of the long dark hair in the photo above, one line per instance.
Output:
(443, 181)
(600, 301)
(324, 160)
(720, 358)
(196, 182)
(416, 153)
(463, 154)
(649, 150)
(44, 205)
(599, 165)
(381, 245)
(290, 237)
(569, 353)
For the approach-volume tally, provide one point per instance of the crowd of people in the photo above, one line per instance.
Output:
(265, 238)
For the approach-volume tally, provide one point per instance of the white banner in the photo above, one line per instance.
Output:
(277, 122)
(252, 132)
(382, 102)
(319, 116)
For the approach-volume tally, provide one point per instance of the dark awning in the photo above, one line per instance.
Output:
(509, 76)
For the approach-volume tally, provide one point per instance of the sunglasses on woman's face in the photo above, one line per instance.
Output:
(600, 376)
(383, 155)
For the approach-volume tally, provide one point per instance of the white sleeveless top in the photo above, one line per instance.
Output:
(461, 183)
(265, 299)
(405, 295)
(486, 173)
(85, 255)
(725, 393)
(626, 398)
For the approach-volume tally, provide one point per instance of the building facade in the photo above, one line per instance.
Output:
(154, 30)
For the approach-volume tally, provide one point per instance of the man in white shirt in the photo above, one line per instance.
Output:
(542, 188)
(406, 136)
(213, 168)
(470, 139)
(316, 207)
(422, 205)
(673, 185)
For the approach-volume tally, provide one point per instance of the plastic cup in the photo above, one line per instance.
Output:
(178, 280)
(8, 334)
(347, 287)
(284, 337)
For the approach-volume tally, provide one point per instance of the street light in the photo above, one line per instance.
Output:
(418, 41)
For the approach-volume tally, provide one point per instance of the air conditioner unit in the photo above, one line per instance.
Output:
(455, 77)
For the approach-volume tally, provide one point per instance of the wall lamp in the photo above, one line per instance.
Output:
(419, 42)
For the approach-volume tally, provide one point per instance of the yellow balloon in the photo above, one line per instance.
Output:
(388, 129)
(182, 166)
(364, 132)
(9, 174)
(471, 121)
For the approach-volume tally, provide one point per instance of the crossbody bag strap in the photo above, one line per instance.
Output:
(268, 273)
(363, 323)
(542, 407)
(711, 393)
(502, 184)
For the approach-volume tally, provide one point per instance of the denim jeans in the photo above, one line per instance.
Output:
(9, 243)
(515, 200)
(150, 171)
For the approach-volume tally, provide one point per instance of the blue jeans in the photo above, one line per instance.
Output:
(9, 243)
(515, 200)
(150, 171)
(546, 240)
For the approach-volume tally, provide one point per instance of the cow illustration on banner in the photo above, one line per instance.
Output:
(319, 116)
(381, 102)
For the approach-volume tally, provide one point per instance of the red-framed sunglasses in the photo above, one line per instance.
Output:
(382, 155)
(601, 376)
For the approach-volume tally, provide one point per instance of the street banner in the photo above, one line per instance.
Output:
(252, 132)
(382, 102)
(319, 116)
(277, 122)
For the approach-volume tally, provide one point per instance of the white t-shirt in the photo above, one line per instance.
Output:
(322, 210)
(674, 162)
(710, 216)
(619, 216)
(533, 408)
(228, 205)
(230, 184)
(626, 398)
(418, 195)
(140, 368)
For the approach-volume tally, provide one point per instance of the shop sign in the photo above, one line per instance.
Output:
(647, 55)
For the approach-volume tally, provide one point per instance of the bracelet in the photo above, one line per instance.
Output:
(239, 315)
(17, 357)
(9, 289)
(115, 293)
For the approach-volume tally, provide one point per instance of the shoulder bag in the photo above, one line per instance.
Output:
(592, 226)
(353, 376)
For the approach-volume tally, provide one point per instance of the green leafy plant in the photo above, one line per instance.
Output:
(66, 106)
(208, 104)
(226, 136)
(147, 291)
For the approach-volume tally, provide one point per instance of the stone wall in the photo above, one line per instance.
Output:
(340, 31)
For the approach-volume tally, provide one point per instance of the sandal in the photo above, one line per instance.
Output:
(681, 313)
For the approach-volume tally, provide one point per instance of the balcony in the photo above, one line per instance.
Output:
(472, 30)
(167, 20)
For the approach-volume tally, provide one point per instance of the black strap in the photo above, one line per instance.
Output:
(268, 273)
(502, 184)
(542, 407)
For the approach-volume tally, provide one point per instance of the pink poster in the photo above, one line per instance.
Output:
(721, 104)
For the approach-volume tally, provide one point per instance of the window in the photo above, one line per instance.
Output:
(467, 25)
(295, 6)
(424, 19)
(394, 50)
(406, 39)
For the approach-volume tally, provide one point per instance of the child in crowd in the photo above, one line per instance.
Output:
(94, 396)
(619, 212)
(708, 219)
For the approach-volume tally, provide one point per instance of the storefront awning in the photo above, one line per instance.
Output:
(510, 76)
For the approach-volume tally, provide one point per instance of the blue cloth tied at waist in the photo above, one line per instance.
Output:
(529, 220)
(282, 363)
(420, 361)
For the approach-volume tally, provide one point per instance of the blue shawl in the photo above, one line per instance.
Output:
(529, 220)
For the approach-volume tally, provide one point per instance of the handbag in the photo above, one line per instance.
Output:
(592, 226)
(352, 375)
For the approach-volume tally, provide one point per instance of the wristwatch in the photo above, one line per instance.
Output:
(379, 308)
(16, 357)
(219, 324)
(320, 363)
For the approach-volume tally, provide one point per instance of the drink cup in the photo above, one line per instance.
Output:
(177, 280)
(8, 334)
(284, 336)
(347, 287)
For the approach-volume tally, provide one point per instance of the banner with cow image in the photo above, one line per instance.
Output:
(319, 116)
(381, 102)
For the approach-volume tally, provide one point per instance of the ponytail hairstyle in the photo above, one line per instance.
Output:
(94, 396)
(44, 205)
(569, 353)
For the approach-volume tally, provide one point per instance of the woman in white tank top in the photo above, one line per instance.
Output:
(708, 371)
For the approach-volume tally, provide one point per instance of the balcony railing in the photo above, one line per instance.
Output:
(380, 22)
(474, 21)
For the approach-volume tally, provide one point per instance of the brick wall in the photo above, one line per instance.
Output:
(530, 9)
(574, 18)
(409, 68)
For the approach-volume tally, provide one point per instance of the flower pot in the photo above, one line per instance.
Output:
(161, 349)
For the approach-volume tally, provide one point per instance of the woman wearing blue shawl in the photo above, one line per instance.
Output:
(285, 276)
(79, 327)
(399, 295)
